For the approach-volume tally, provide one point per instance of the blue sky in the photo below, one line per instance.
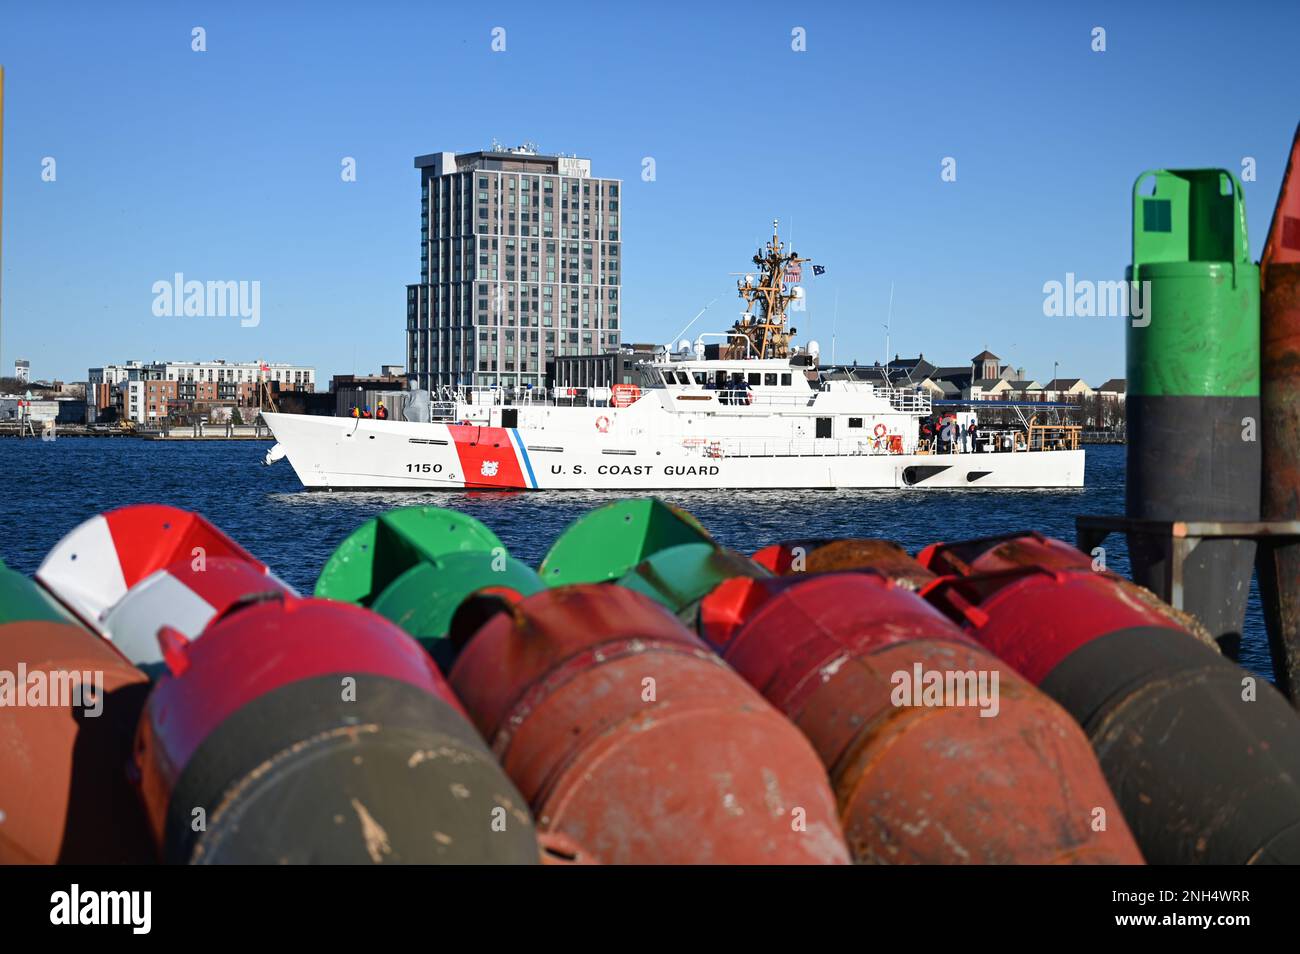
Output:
(224, 165)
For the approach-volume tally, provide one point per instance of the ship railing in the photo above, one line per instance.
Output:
(551, 397)
(820, 447)
(1048, 437)
(576, 397)
(442, 410)
(744, 398)
(909, 402)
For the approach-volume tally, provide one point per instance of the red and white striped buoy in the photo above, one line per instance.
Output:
(130, 571)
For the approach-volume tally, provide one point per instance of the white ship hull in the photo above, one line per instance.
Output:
(755, 412)
(349, 454)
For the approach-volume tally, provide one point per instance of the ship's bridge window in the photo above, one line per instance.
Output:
(719, 378)
(786, 380)
(755, 377)
(667, 376)
(855, 422)
(701, 377)
(682, 378)
(769, 379)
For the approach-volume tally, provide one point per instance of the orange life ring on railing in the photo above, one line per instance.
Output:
(602, 424)
(880, 430)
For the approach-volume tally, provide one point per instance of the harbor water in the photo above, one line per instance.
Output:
(68, 480)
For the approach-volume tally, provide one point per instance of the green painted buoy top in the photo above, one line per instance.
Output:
(1192, 215)
(607, 542)
(22, 600)
(382, 549)
(679, 577)
(1196, 332)
(423, 600)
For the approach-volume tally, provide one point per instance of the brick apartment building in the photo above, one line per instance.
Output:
(143, 392)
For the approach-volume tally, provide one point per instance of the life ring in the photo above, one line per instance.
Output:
(602, 424)
(880, 431)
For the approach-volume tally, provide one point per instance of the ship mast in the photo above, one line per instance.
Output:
(764, 322)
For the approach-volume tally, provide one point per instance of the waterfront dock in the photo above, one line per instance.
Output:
(186, 432)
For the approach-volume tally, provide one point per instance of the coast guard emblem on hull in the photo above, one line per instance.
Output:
(489, 468)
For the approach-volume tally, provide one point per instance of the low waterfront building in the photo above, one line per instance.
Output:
(41, 410)
(1023, 389)
(598, 370)
(917, 370)
(144, 393)
(1115, 388)
(1064, 389)
(365, 391)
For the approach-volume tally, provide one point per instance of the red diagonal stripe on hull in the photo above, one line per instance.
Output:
(487, 457)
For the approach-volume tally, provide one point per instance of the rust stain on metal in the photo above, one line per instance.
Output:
(690, 775)
(917, 783)
(376, 838)
(883, 556)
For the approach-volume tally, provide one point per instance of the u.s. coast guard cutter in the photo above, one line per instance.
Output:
(755, 413)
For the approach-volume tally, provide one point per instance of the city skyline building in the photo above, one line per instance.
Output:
(520, 262)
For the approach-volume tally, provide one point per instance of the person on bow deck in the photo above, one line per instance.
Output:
(381, 412)
(947, 442)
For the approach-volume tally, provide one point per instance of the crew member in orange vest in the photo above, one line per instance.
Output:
(382, 412)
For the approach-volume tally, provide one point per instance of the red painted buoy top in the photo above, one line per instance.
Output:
(818, 621)
(257, 649)
(94, 565)
(780, 557)
(1033, 617)
(186, 596)
(582, 622)
(1283, 244)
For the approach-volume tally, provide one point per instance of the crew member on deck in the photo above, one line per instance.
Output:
(381, 412)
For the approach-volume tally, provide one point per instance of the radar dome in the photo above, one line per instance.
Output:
(814, 348)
